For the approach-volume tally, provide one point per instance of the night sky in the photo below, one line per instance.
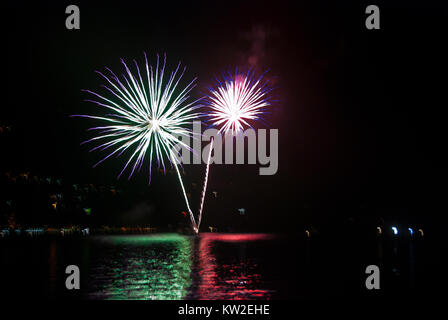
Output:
(361, 113)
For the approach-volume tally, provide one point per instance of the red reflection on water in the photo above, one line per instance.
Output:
(230, 237)
(236, 281)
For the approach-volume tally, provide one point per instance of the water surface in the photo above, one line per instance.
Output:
(208, 266)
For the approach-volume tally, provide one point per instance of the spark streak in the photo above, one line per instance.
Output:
(205, 183)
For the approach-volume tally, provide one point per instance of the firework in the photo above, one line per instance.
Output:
(235, 101)
(147, 115)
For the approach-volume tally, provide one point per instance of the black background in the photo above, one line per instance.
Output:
(361, 113)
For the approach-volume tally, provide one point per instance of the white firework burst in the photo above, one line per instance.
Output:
(148, 116)
(236, 100)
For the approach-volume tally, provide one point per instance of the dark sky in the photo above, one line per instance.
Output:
(361, 114)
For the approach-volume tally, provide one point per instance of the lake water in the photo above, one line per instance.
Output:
(209, 266)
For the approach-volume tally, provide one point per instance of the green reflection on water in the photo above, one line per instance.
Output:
(154, 267)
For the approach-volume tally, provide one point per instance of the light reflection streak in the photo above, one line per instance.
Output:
(237, 280)
(175, 267)
(147, 268)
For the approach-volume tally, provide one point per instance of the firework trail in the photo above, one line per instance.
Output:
(205, 183)
(235, 100)
(146, 118)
